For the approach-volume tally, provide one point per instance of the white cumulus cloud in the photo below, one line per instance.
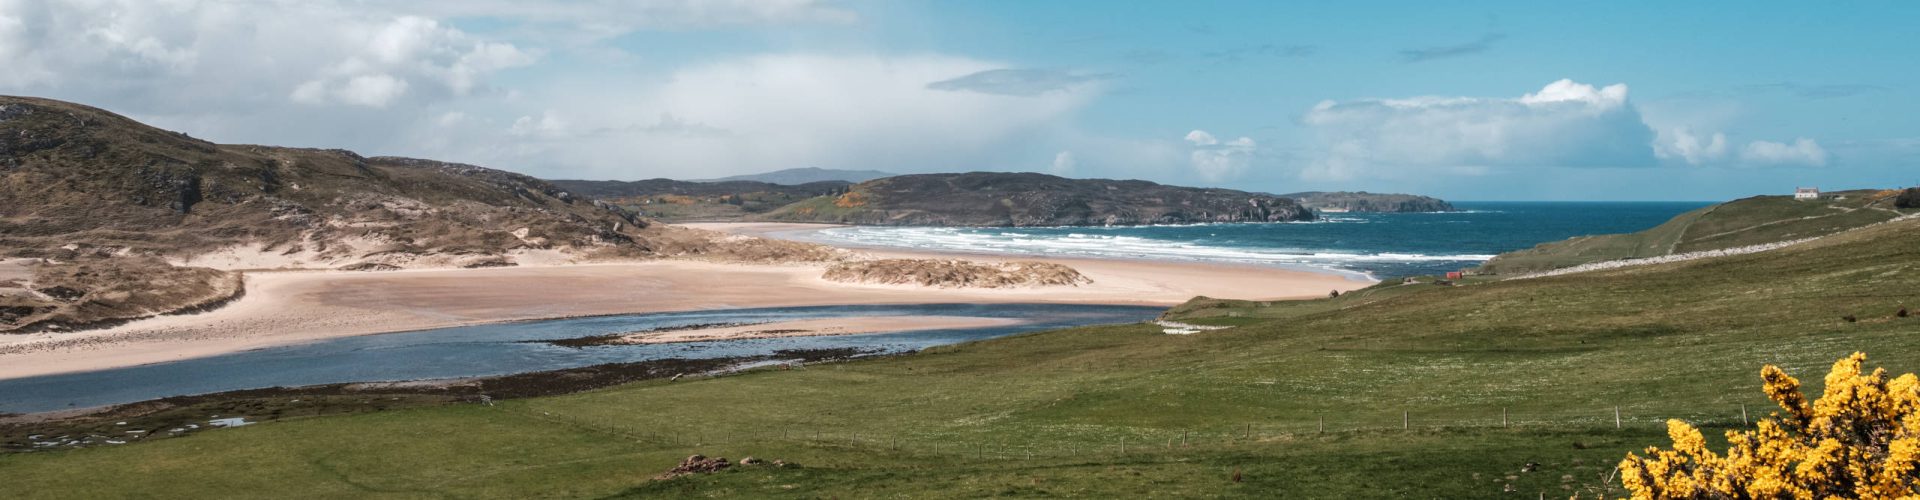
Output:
(1566, 123)
(1215, 160)
(780, 110)
(1680, 143)
(1803, 152)
(1063, 164)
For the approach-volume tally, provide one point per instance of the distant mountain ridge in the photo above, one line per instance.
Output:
(1032, 199)
(806, 175)
(706, 201)
(626, 189)
(674, 200)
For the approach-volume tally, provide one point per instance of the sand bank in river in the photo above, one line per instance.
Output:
(853, 325)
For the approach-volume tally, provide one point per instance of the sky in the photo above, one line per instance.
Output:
(1462, 100)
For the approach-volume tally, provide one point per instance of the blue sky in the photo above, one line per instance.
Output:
(1463, 100)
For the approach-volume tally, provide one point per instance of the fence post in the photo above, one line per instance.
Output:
(1249, 435)
(1616, 416)
(1123, 445)
(1743, 414)
(1503, 417)
(1323, 424)
(1406, 420)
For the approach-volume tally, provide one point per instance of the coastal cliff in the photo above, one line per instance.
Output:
(1030, 199)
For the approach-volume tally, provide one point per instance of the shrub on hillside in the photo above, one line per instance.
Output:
(1908, 199)
(1860, 440)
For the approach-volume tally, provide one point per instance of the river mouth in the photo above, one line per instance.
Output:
(514, 348)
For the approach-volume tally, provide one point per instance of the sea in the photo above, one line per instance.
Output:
(1376, 246)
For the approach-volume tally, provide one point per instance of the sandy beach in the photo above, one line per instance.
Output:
(289, 307)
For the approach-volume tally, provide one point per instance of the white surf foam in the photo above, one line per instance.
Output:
(1089, 244)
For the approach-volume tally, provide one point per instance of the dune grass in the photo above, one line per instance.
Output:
(1411, 382)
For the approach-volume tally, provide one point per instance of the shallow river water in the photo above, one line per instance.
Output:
(502, 349)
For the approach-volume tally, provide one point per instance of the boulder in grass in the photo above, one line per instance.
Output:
(697, 464)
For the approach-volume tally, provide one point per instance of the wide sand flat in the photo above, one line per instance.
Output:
(288, 307)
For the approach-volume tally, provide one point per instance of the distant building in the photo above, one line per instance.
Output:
(1804, 194)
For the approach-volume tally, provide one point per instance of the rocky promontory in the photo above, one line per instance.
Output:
(1362, 201)
(1030, 199)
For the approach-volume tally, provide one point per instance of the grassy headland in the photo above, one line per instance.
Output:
(1750, 221)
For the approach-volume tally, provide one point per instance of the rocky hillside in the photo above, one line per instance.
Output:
(1362, 201)
(75, 176)
(1030, 199)
(84, 187)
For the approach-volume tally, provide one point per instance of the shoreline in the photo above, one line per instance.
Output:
(824, 327)
(799, 231)
(286, 307)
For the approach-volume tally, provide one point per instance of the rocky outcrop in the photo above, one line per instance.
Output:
(947, 273)
(1363, 201)
(1908, 198)
(1029, 199)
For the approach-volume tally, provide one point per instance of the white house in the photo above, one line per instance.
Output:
(1803, 194)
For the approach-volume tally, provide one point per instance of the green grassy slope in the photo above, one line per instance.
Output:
(1682, 340)
(1738, 223)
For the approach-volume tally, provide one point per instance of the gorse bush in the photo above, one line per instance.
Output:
(1860, 440)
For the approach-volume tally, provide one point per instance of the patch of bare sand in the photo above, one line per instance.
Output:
(290, 307)
(815, 328)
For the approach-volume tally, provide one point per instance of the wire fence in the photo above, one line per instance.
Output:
(1048, 443)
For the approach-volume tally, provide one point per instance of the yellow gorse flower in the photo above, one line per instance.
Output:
(1861, 439)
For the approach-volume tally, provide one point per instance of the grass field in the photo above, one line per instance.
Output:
(1738, 223)
(1411, 382)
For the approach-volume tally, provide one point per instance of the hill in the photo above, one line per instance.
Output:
(674, 201)
(1362, 201)
(1739, 223)
(1518, 387)
(101, 207)
(807, 175)
(1030, 199)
